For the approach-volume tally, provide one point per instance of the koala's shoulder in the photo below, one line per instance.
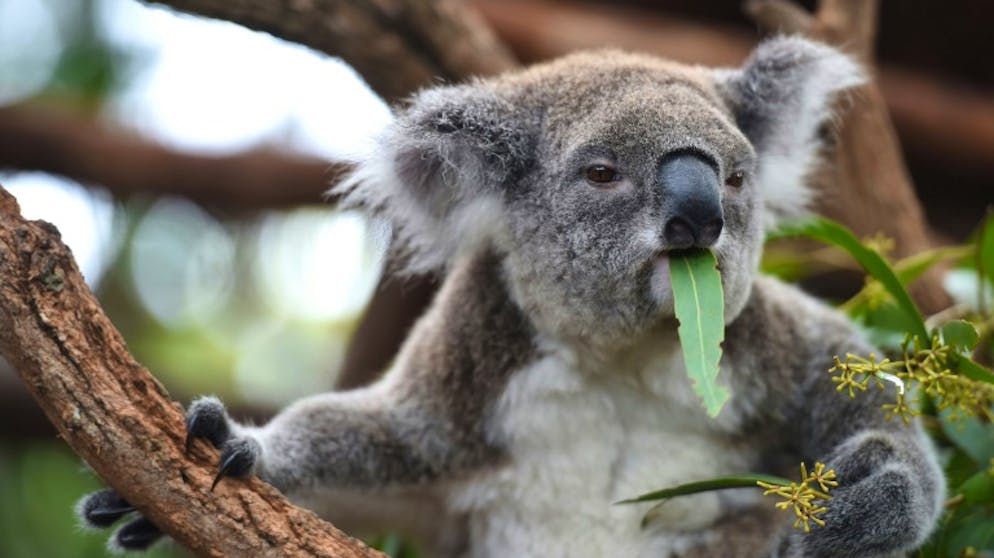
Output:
(782, 324)
(470, 341)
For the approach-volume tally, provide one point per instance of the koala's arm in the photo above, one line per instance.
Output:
(364, 439)
(423, 421)
(890, 484)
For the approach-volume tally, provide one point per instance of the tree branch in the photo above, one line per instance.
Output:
(397, 46)
(119, 418)
(81, 148)
(782, 16)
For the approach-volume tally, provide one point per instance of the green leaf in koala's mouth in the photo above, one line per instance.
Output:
(699, 305)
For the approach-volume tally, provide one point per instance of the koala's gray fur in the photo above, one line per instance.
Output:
(546, 381)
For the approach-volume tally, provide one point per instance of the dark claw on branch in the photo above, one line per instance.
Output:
(103, 508)
(237, 459)
(137, 535)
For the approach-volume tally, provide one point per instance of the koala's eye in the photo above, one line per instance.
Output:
(735, 179)
(601, 174)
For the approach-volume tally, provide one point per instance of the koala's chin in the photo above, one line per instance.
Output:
(660, 288)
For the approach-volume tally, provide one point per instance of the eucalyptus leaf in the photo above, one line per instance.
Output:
(737, 481)
(700, 307)
(830, 232)
(978, 489)
(973, 436)
(914, 266)
(969, 368)
(907, 270)
(970, 526)
(960, 334)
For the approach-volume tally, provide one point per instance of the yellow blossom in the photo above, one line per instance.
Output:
(803, 497)
(931, 367)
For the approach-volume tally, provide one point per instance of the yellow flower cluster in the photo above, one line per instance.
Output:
(803, 496)
(880, 243)
(929, 367)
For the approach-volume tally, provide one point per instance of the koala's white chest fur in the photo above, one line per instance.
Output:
(579, 442)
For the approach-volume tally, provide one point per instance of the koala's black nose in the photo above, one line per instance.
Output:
(692, 202)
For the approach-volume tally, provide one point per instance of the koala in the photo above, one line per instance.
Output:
(546, 381)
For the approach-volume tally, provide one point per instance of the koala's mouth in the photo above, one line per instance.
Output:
(667, 254)
(658, 268)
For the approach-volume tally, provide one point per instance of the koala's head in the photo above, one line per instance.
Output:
(583, 174)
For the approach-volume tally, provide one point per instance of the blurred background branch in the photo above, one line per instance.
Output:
(81, 147)
(397, 46)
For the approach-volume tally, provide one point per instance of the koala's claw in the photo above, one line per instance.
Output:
(137, 535)
(207, 419)
(102, 508)
(238, 458)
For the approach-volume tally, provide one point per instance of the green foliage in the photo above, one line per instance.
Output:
(40, 483)
(736, 481)
(873, 295)
(954, 391)
(960, 335)
(957, 389)
(828, 231)
(700, 306)
(87, 70)
(394, 546)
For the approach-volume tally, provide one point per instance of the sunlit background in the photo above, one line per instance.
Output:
(255, 309)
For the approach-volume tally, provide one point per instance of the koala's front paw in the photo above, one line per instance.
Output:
(104, 508)
(208, 419)
(881, 515)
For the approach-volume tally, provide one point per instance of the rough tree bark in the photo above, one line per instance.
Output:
(119, 418)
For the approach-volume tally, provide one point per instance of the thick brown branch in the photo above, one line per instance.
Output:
(781, 16)
(119, 418)
(398, 46)
(81, 148)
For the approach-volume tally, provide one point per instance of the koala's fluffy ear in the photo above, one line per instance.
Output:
(440, 171)
(781, 97)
